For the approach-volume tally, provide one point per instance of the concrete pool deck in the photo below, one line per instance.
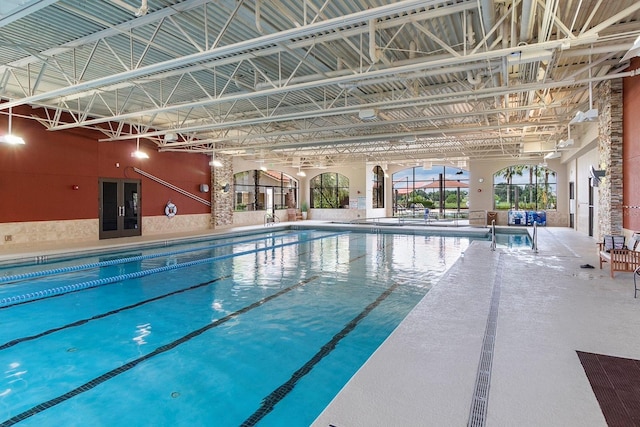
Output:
(545, 308)
(526, 314)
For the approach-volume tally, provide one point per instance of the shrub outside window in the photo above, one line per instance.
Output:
(525, 187)
(329, 191)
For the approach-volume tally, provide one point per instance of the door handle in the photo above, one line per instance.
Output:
(121, 210)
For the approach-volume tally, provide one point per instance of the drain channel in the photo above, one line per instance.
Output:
(478, 413)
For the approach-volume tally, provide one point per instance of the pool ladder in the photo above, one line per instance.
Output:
(493, 234)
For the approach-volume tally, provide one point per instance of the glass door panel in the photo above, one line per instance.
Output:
(131, 208)
(120, 211)
(109, 205)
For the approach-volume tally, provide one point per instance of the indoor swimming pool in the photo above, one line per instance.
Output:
(260, 329)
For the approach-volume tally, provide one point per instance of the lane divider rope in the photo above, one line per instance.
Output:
(47, 293)
(50, 272)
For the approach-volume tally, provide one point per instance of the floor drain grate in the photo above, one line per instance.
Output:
(478, 413)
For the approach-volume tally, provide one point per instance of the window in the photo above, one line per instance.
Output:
(378, 187)
(251, 186)
(526, 187)
(442, 189)
(329, 191)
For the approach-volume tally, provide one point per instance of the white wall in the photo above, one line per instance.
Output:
(581, 171)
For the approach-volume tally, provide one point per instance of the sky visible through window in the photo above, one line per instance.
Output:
(422, 175)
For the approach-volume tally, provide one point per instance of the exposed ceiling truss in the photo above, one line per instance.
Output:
(325, 81)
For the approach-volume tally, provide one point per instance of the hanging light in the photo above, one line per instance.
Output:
(139, 154)
(301, 172)
(214, 162)
(9, 138)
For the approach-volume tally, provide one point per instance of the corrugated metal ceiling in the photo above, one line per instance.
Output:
(458, 79)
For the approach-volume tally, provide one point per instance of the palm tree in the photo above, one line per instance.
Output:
(508, 173)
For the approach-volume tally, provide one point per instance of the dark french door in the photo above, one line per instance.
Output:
(120, 210)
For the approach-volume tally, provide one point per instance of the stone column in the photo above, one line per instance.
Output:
(222, 201)
(609, 104)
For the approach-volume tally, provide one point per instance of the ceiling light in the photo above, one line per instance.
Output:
(139, 154)
(368, 113)
(263, 168)
(552, 155)
(590, 115)
(215, 163)
(9, 138)
(409, 139)
(301, 172)
(634, 51)
(170, 137)
(568, 143)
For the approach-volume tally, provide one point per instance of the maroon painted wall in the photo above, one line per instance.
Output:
(37, 179)
(631, 149)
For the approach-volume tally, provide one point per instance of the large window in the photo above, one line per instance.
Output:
(251, 188)
(526, 187)
(378, 187)
(329, 191)
(444, 190)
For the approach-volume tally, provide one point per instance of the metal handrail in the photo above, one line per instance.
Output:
(173, 187)
(534, 240)
(270, 219)
(493, 234)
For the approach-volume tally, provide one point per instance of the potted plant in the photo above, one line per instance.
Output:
(304, 209)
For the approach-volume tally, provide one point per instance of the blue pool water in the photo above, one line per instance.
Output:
(252, 330)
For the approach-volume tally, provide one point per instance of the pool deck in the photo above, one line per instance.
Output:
(526, 314)
(523, 314)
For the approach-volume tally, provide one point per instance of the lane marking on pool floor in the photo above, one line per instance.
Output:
(162, 349)
(81, 322)
(480, 402)
(269, 402)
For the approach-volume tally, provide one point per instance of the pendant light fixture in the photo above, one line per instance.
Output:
(9, 138)
(214, 162)
(139, 154)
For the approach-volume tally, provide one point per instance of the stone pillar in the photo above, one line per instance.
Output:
(222, 201)
(609, 103)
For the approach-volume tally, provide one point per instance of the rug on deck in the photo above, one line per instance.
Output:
(616, 383)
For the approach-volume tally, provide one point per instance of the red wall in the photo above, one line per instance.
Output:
(631, 149)
(37, 179)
